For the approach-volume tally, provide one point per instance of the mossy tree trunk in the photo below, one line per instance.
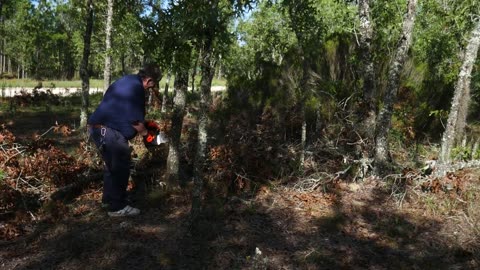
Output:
(384, 120)
(107, 72)
(461, 99)
(181, 68)
(368, 107)
(207, 70)
(84, 65)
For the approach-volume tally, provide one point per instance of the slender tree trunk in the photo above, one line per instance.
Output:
(220, 72)
(367, 125)
(303, 140)
(122, 61)
(194, 71)
(84, 65)
(301, 104)
(461, 99)
(178, 112)
(4, 56)
(1, 11)
(107, 72)
(165, 93)
(300, 9)
(207, 69)
(384, 120)
(2, 28)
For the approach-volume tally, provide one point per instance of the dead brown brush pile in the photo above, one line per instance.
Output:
(29, 174)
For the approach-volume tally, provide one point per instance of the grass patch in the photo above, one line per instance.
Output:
(28, 83)
(94, 83)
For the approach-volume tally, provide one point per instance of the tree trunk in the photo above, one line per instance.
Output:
(458, 112)
(220, 71)
(384, 120)
(2, 29)
(207, 70)
(165, 93)
(178, 112)
(122, 62)
(303, 140)
(84, 65)
(4, 56)
(367, 124)
(301, 104)
(107, 73)
(194, 71)
(1, 12)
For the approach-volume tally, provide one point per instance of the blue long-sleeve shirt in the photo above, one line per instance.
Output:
(122, 105)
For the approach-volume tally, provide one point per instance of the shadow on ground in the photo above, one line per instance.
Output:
(278, 230)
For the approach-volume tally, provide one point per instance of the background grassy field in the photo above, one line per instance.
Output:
(94, 83)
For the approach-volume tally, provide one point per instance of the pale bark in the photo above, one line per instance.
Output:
(107, 72)
(84, 65)
(207, 70)
(178, 112)
(458, 112)
(301, 104)
(165, 93)
(303, 141)
(367, 124)
(220, 68)
(384, 120)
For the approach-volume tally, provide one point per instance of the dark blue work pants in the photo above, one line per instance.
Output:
(117, 157)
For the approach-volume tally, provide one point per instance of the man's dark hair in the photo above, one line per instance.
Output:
(151, 70)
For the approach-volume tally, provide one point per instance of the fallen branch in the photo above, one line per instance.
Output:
(440, 170)
(69, 191)
(313, 182)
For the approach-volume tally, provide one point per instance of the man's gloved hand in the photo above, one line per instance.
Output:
(151, 125)
(154, 135)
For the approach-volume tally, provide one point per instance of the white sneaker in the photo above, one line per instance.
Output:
(127, 211)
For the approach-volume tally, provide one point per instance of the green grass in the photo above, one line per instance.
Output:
(94, 83)
(28, 83)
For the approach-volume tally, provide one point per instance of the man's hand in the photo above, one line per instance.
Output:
(140, 128)
(151, 125)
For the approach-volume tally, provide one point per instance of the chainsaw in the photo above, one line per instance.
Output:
(154, 136)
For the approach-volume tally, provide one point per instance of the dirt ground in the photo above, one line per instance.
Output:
(358, 225)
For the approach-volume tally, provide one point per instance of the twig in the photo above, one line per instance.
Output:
(14, 155)
(45, 133)
(18, 178)
(310, 184)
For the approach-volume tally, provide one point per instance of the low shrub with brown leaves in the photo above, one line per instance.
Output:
(29, 174)
(249, 158)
